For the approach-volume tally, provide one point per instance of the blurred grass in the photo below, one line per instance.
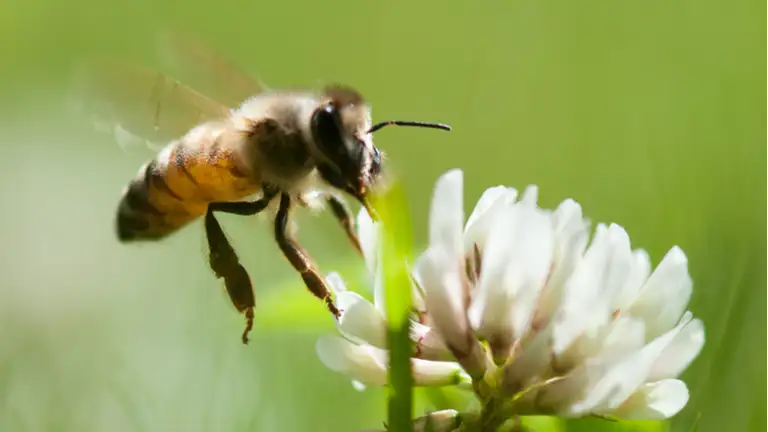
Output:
(650, 114)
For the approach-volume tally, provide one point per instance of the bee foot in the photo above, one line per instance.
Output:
(248, 325)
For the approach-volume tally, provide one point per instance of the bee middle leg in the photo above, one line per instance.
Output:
(345, 218)
(246, 208)
(299, 258)
(226, 265)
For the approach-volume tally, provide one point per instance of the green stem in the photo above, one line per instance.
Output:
(492, 415)
(400, 406)
(398, 304)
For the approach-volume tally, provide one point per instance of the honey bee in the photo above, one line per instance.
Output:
(285, 147)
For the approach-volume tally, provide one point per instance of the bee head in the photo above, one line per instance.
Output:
(341, 129)
(350, 161)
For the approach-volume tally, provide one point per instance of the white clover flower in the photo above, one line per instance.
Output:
(362, 353)
(540, 318)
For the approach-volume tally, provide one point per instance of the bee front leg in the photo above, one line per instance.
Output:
(225, 264)
(299, 258)
(345, 218)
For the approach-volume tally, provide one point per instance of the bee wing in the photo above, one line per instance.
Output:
(140, 104)
(215, 75)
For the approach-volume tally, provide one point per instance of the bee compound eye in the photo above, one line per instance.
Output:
(331, 176)
(326, 127)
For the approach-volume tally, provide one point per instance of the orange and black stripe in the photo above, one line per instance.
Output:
(161, 200)
(151, 209)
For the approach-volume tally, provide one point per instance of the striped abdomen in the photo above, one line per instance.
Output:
(176, 187)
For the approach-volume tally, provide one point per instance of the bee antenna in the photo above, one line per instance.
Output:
(380, 125)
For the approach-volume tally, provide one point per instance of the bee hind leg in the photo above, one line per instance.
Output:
(299, 258)
(345, 218)
(226, 265)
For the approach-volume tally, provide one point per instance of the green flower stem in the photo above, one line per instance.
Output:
(398, 302)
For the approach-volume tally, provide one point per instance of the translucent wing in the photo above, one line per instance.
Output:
(138, 103)
(211, 73)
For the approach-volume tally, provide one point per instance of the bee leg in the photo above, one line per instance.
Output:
(345, 218)
(244, 208)
(299, 258)
(225, 264)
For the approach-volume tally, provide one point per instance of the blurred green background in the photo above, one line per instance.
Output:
(649, 113)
